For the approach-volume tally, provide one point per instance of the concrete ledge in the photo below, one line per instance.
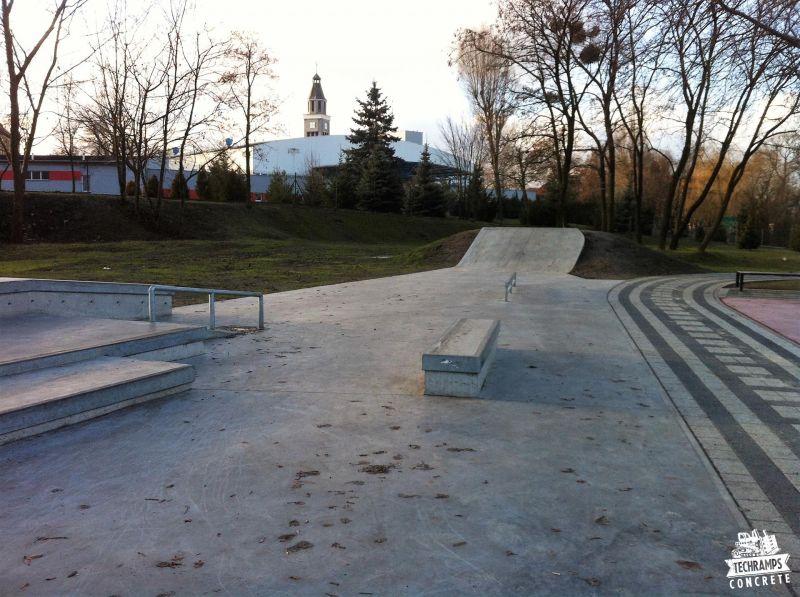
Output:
(113, 300)
(458, 363)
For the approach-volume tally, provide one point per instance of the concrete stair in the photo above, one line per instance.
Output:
(56, 371)
(38, 401)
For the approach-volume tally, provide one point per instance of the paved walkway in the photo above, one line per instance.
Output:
(570, 475)
(780, 315)
(737, 387)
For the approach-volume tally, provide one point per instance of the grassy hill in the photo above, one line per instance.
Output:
(65, 218)
(265, 248)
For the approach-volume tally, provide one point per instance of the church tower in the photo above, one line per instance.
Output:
(316, 122)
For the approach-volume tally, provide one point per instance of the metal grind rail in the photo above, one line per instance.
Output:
(510, 284)
(212, 297)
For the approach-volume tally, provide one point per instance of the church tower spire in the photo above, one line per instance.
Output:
(316, 121)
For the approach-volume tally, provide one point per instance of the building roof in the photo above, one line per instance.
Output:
(294, 156)
(316, 89)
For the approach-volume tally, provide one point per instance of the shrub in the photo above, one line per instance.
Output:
(749, 236)
(179, 187)
(794, 239)
(130, 188)
(151, 186)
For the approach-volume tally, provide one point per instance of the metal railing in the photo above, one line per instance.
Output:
(510, 284)
(212, 297)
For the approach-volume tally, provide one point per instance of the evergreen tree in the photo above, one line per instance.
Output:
(478, 202)
(225, 181)
(749, 236)
(374, 126)
(370, 165)
(794, 239)
(202, 184)
(151, 186)
(425, 196)
(279, 190)
(179, 186)
(379, 187)
(343, 193)
(315, 190)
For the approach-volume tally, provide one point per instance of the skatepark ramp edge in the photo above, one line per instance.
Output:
(554, 250)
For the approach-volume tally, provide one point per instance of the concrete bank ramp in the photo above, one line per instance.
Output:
(525, 249)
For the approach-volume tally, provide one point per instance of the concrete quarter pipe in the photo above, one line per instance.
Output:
(553, 250)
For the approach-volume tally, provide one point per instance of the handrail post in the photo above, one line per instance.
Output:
(260, 311)
(151, 303)
(212, 316)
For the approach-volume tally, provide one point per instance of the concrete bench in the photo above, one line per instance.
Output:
(458, 363)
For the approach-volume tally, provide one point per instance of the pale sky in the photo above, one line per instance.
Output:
(404, 46)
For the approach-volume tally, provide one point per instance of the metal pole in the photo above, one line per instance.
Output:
(261, 312)
(151, 303)
(212, 316)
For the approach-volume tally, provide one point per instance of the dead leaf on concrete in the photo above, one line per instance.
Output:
(601, 519)
(301, 474)
(460, 449)
(422, 466)
(29, 559)
(299, 546)
(287, 537)
(377, 469)
(688, 565)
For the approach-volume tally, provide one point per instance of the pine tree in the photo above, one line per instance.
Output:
(794, 239)
(748, 233)
(477, 199)
(279, 190)
(374, 126)
(371, 162)
(379, 187)
(425, 195)
(179, 186)
(202, 184)
(315, 189)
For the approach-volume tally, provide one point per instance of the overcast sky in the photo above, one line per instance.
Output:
(403, 45)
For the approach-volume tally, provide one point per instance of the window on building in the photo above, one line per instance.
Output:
(312, 124)
(37, 175)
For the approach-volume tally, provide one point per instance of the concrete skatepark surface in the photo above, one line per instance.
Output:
(553, 250)
(306, 461)
(569, 475)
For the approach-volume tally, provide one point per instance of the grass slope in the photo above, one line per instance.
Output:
(74, 218)
(263, 248)
(613, 257)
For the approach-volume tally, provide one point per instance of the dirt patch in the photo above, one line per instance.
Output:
(611, 257)
(446, 252)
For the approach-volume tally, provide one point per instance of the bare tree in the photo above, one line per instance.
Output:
(488, 78)
(68, 125)
(466, 148)
(787, 10)
(18, 62)
(642, 51)
(696, 33)
(543, 39)
(758, 70)
(250, 68)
